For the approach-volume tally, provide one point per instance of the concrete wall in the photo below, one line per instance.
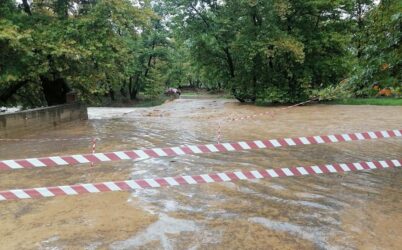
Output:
(17, 123)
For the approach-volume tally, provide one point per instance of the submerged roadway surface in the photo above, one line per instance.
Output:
(361, 210)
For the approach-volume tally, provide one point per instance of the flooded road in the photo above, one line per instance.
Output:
(361, 210)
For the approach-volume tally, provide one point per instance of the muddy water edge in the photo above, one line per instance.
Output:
(338, 211)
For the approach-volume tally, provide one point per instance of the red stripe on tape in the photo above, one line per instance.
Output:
(196, 179)
(195, 149)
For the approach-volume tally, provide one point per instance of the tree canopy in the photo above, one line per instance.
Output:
(262, 51)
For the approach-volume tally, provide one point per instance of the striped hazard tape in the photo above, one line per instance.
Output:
(78, 189)
(47, 139)
(247, 117)
(194, 149)
(240, 118)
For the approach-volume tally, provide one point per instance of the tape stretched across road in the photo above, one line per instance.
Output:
(240, 118)
(47, 139)
(102, 187)
(195, 149)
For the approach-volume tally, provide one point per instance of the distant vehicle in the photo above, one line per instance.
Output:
(173, 92)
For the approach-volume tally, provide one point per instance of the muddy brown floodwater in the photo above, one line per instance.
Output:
(361, 210)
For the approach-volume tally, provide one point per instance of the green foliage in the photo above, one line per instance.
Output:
(93, 48)
(155, 84)
(273, 51)
(272, 95)
(381, 52)
(332, 93)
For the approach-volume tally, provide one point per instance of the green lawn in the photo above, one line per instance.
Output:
(369, 101)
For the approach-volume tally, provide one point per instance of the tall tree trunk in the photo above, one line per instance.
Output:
(54, 90)
(27, 7)
(149, 61)
(133, 87)
(112, 95)
(229, 60)
(123, 89)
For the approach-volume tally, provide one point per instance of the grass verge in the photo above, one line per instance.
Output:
(369, 101)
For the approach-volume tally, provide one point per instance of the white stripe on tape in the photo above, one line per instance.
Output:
(80, 158)
(396, 163)
(302, 170)
(101, 157)
(256, 174)
(58, 160)
(68, 190)
(290, 142)
(316, 169)
(141, 154)
(331, 168)
(122, 155)
(275, 143)
(20, 194)
(244, 145)
(318, 139)
(152, 182)
(272, 173)
(358, 166)
(133, 185)
(189, 179)
(332, 138)
(344, 167)
(178, 151)
(228, 147)
(112, 186)
(159, 152)
(12, 164)
(223, 176)
(260, 144)
(44, 192)
(371, 165)
(304, 140)
(240, 175)
(90, 188)
(195, 149)
(207, 178)
(212, 148)
(36, 162)
(171, 181)
(287, 172)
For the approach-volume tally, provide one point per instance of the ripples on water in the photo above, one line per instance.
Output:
(309, 208)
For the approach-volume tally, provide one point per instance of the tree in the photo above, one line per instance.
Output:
(265, 51)
(62, 45)
(380, 56)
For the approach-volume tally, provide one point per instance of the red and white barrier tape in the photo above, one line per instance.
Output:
(51, 161)
(241, 118)
(31, 193)
(93, 149)
(268, 112)
(47, 139)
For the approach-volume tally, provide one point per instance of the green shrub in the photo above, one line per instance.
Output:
(275, 94)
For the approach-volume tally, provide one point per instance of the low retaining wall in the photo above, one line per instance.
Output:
(41, 118)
